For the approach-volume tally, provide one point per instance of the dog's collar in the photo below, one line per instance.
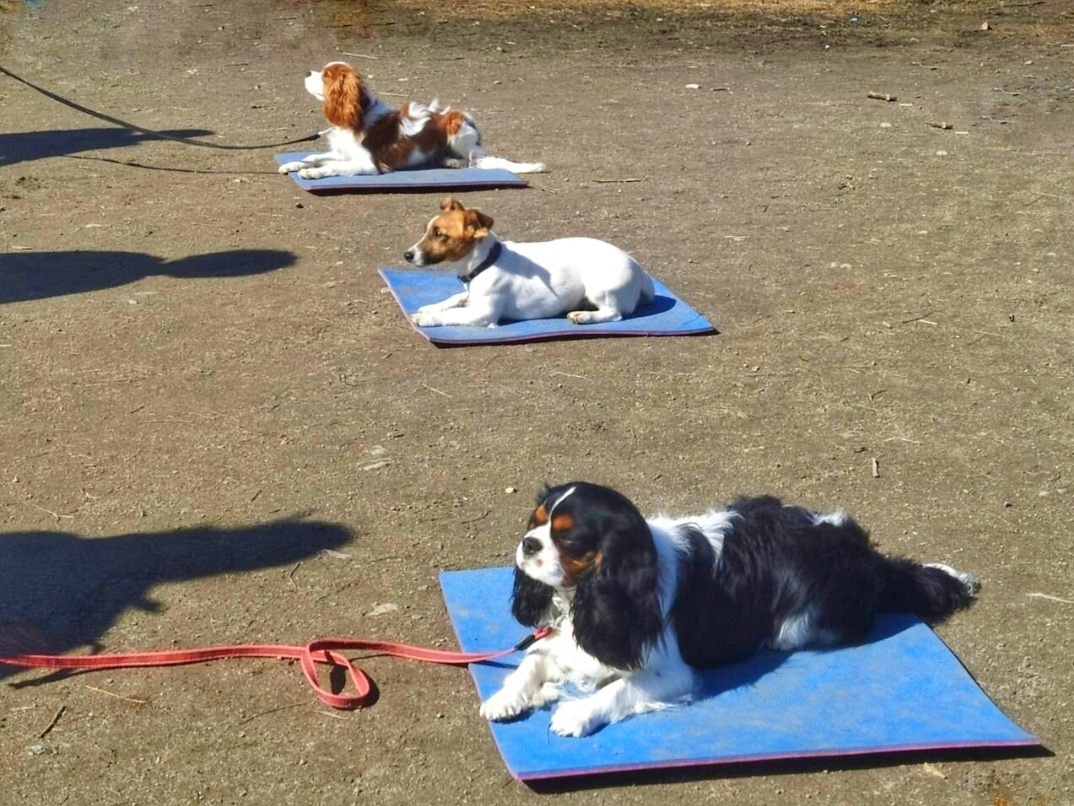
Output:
(490, 258)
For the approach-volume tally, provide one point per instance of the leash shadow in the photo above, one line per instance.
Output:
(32, 146)
(37, 275)
(63, 592)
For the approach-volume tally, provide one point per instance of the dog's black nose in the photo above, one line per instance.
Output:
(530, 546)
(409, 255)
(310, 73)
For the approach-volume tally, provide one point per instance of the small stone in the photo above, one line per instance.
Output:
(381, 609)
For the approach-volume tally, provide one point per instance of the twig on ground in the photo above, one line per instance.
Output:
(1049, 597)
(882, 96)
(920, 318)
(118, 696)
(52, 722)
(55, 515)
(270, 711)
(483, 515)
(434, 389)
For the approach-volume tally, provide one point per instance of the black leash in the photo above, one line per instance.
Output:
(159, 135)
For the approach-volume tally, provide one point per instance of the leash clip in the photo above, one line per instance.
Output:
(532, 639)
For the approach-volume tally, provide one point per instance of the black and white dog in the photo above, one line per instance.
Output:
(637, 605)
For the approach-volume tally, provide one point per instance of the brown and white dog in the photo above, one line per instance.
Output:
(587, 280)
(368, 136)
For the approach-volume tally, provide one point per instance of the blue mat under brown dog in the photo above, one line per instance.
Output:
(410, 180)
(901, 691)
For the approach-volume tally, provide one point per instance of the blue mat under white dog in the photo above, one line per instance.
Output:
(666, 315)
(406, 181)
(901, 691)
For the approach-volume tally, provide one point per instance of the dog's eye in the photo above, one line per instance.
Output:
(437, 233)
(571, 547)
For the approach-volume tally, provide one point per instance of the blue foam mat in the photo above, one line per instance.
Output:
(408, 180)
(903, 690)
(666, 315)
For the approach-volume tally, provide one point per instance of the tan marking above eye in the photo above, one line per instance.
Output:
(540, 515)
(562, 523)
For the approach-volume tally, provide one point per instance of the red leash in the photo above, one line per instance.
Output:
(324, 651)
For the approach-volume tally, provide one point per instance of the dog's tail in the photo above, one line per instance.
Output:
(486, 161)
(931, 591)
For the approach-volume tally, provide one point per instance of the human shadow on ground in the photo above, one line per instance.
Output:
(31, 146)
(36, 275)
(62, 592)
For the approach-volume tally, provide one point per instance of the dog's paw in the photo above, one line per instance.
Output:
(575, 718)
(315, 173)
(503, 705)
(593, 317)
(424, 319)
(290, 167)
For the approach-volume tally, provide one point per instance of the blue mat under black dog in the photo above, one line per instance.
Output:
(902, 690)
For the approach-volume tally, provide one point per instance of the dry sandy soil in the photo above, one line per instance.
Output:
(215, 425)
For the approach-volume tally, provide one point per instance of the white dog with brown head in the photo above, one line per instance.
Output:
(588, 280)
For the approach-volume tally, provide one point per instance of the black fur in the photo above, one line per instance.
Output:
(778, 561)
(616, 609)
(530, 600)
(929, 593)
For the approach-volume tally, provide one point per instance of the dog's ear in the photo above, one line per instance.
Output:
(617, 613)
(477, 224)
(342, 97)
(450, 203)
(530, 600)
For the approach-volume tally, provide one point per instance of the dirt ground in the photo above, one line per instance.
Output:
(216, 427)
